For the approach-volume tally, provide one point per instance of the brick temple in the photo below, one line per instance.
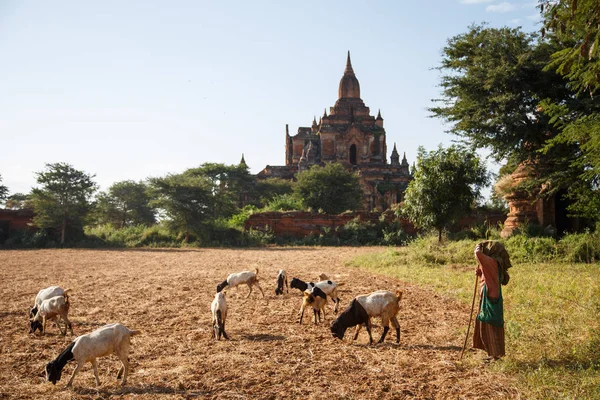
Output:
(351, 136)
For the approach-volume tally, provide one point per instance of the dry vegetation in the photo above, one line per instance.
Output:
(167, 294)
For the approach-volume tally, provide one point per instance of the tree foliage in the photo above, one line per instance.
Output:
(186, 201)
(446, 185)
(498, 93)
(63, 201)
(18, 201)
(3, 191)
(125, 203)
(330, 188)
(229, 186)
(576, 24)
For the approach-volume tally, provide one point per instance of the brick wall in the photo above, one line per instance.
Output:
(301, 223)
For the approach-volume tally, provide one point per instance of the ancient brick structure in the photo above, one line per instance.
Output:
(349, 135)
(549, 212)
(302, 223)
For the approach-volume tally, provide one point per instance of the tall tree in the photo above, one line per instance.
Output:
(63, 201)
(446, 185)
(186, 201)
(125, 203)
(498, 94)
(576, 24)
(228, 184)
(330, 188)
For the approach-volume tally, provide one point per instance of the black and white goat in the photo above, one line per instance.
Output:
(382, 303)
(317, 299)
(328, 287)
(281, 281)
(47, 293)
(218, 309)
(110, 339)
(51, 309)
(248, 277)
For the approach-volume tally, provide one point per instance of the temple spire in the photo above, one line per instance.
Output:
(325, 113)
(348, 69)
(242, 161)
(395, 157)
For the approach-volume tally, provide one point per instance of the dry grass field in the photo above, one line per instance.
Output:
(167, 295)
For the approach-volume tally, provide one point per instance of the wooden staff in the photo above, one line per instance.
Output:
(470, 318)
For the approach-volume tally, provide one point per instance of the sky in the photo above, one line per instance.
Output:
(126, 90)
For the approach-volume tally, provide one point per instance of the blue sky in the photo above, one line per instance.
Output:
(133, 89)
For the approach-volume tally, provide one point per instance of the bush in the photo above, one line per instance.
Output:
(357, 232)
(523, 248)
(580, 247)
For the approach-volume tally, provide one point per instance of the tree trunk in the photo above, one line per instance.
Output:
(63, 230)
(439, 235)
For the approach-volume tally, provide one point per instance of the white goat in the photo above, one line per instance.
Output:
(219, 315)
(51, 309)
(248, 277)
(380, 303)
(110, 339)
(47, 293)
(281, 281)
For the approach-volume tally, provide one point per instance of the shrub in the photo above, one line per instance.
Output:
(580, 247)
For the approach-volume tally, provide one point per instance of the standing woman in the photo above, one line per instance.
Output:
(493, 268)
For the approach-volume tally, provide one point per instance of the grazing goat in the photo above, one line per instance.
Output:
(282, 280)
(219, 315)
(52, 308)
(317, 299)
(110, 339)
(49, 292)
(329, 287)
(248, 277)
(381, 303)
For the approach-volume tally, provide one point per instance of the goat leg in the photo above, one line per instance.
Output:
(385, 331)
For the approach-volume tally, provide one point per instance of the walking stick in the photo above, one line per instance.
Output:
(470, 318)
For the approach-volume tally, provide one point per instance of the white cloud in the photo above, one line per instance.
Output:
(475, 1)
(501, 8)
(534, 17)
(515, 21)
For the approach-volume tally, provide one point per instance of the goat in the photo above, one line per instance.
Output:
(109, 339)
(329, 287)
(380, 303)
(248, 277)
(52, 308)
(281, 280)
(219, 315)
(317, 299)
(47, 293)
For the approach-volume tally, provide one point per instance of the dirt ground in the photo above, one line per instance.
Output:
(167, 295)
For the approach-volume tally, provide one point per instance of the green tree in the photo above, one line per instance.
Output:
(270, 189)
(498, 93)
(576, 24)
(446, 185)
(186, 201)
(229, 185)
(63, 201)
(3, 191)
(18, 201)
(125, 203)
(330, 188)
